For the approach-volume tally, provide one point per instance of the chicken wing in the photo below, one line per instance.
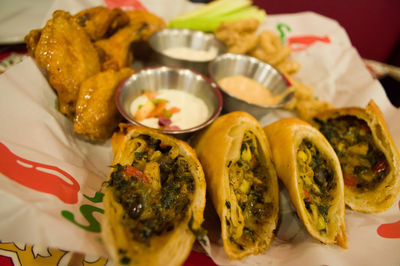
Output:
(65, 51)
(32, 40)
(96, 112)
(117, 49)
(149, 23)
(100, 22)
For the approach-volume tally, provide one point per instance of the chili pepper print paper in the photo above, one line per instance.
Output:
(51, 178)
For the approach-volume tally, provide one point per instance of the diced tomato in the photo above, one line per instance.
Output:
(349, 180)
(145, 111)
(151, 94)
(131, 171)
(159, 109)
(380, 166)
(308, 196)
(174, 110)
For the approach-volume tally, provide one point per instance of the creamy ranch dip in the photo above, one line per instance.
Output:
(190, 54)
(249, 90)
(193, 110)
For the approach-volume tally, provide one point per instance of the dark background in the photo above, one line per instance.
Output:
(373, 26)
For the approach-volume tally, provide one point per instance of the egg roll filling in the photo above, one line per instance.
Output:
(251, 206)
(155, 188)
(317, 184)
(363, 164)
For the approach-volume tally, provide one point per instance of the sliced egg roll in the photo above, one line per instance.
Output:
(310, 170)
(242, 182)
(367, 154)
(154, 198)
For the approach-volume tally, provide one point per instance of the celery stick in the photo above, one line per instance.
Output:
(210, 24)
(215, 8)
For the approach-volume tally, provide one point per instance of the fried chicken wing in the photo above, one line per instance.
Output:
(100, 22)
(65, 51)
(96, 112)
(32, 40)
(73, 50)
(117, 49)
(149, 22)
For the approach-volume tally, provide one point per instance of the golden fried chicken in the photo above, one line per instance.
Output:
(149, 22)
(96, 112)
(65, 51)
(239, 36)
(32, 40)
(100, 22)
(117, 49)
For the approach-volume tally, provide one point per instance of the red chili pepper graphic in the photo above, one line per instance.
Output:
(198, 259)
(125, 4)
(6, 261)
(390, 230)
(37, 176)
(299, 43)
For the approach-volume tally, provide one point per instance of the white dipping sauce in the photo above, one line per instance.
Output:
(190, 54)
(193, 111)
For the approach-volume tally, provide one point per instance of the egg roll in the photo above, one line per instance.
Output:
(154, 199)
(241, 181)
(310, 170)
(367, 154)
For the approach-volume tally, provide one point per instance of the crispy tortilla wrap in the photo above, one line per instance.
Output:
(154, 198)
(242, 182)
(367, 154)
(309, 168)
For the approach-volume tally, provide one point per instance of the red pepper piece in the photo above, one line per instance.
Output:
(131, 171)
(349, 180)
(40, 177)
(308, 196)
(380, 166)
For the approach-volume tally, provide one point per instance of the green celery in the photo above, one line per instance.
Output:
(210, 24)
(215, 8)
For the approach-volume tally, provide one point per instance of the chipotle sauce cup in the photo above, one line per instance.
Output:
(230, 65)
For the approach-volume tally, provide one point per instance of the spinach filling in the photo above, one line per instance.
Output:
(317, 183)
(155, 190)
(248, 179)
(363, 164)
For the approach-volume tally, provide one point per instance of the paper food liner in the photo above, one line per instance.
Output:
(37, 141)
